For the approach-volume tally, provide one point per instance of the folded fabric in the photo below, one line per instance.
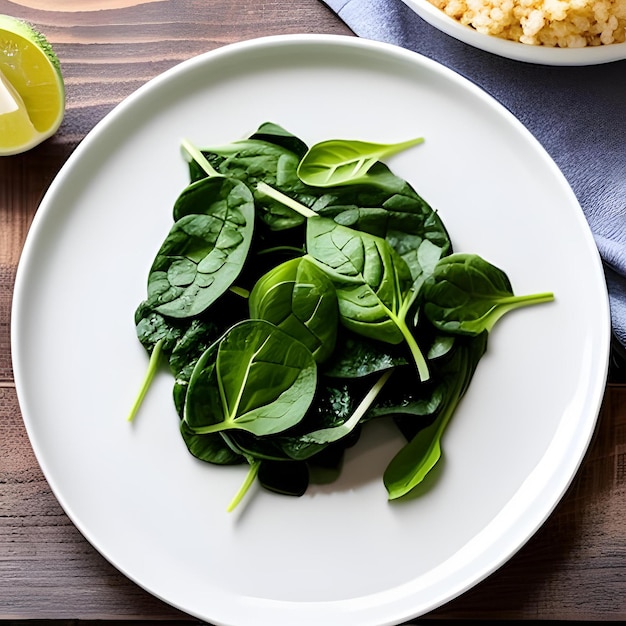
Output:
(578, 114)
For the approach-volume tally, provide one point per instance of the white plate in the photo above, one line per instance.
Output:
(340, 555)
(512, 49)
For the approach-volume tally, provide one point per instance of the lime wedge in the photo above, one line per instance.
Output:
(32, 93)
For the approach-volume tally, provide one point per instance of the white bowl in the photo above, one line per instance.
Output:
(591, 55)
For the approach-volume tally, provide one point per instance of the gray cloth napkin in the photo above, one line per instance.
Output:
(578, 114)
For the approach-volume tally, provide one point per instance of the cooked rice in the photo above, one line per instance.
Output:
(555, 23)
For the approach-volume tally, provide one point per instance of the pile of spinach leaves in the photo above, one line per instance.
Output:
(303, 292)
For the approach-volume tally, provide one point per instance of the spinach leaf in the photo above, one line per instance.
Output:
(331, 434)
(468, 295)
(262, 448)
(412, 463)
(394, 212)
(300, 299)
(199, 335)
(325, 467)
(412, 406)
(332, 405)
(256, 378)
(284, 477)
(356, 356)
(271, 155)
(273, 133)
(188, 350)
(215, 195)
(255, 160)
(199, 260)
(252, 161)
(171, 338)
(343, 161)
(152, 327)
(374, 285)
(334, 420)
(211, 448)
(206, 247)
(289, 478)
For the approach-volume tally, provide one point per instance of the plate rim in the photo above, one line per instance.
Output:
(238, 48)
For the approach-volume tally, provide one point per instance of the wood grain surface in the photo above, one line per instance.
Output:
(574, 568)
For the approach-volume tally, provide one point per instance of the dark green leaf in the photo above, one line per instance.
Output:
(200, 259)
(152, 327)
(374, 285)
(180, 341)
(356, 356)
(369, 284)
(256, 378)
(334, 433)
(300, 299)
(191, 346)
(414, 461)
(467, 295)
(268, 156)
(210, 448)
(217, 196)
(289, 478)
(325, 467)
(273, 133)
(333, 419)
(394, 212)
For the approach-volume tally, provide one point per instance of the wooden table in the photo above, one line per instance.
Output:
(574, 568)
